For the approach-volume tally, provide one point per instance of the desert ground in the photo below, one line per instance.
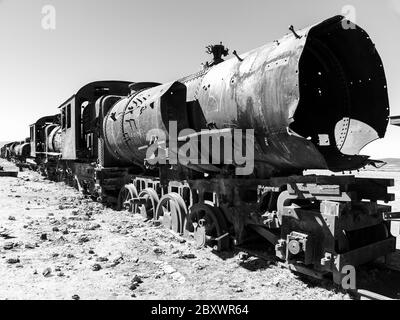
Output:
(57, 244)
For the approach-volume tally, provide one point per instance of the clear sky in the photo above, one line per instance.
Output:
(159, 41)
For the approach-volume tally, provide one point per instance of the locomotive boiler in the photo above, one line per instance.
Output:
(22, 150)
(17, 151)
(313, 99)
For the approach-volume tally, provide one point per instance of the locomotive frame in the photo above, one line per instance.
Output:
(323, 220)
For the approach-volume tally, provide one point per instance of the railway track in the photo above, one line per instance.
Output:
(369, 295)
(385, 284)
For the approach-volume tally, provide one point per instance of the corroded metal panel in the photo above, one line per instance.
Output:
(126, 125)
(69, 130)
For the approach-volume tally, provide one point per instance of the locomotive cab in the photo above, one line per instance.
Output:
(38, 135)
(78, 119)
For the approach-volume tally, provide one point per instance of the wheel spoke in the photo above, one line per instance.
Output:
(208, 225)
(127, 193)
(171, 211)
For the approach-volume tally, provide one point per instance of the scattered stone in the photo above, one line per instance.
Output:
(136, 281)
(187, 256)
(276, 282)
(70, 256)
(102, 259)
(177, 237)
(11, 218)
(168, 269)
(30, 246)
(83, 238)
(55, 255)
(199, 266)
(43, 236)
(60, 240)
(243, 256)
(55, 229)
(35, 272)
(4, 233)
(75, 297)
(13, 260)
(47, 272)
(8, 245)
(177, 276)
(118, 259)
(158, 250)
(93, 226)
(96, 267)
(135, 259)
(65, 231)
(91, 251)
(18, 244)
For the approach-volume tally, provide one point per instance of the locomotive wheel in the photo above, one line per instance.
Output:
(149, 207)
(171, 212)
(127, 193)
(208, 226)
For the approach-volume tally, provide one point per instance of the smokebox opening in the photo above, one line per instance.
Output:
(343, 95)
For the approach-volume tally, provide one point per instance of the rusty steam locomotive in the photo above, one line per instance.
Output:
(314, 99)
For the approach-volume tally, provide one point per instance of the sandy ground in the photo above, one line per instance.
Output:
(55, 244)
